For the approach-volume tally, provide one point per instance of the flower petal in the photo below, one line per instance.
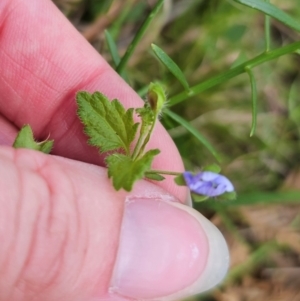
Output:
(208, 183)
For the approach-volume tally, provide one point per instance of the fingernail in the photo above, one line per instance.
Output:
(167, 251)
(189, 200)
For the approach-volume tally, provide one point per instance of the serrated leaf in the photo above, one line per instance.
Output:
(170, 65)
(154, 176)
(25, 139)
(146, 114)
(107, 123)
(272, 11)
(124, 171)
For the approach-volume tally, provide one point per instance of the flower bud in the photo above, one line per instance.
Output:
(156, 97)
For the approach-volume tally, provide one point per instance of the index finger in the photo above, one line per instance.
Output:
(44, 61)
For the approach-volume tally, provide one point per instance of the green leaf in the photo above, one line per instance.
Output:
(199, 198)
(124, 171)
(106, 122)
(272, 11)
(25, 139)
(170, 65)
(213, 167)
(194, 132)
(227, 196)
(147, 116)
(154, 176)
(179, 180)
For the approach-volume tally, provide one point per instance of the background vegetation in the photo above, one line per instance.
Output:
(206, 38)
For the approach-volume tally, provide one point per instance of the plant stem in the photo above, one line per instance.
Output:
(138, 146)
(267, 31)
(218, 79)
(163, 172)
(138, 37)
(143, 139)
(254, 100)
(147, 138)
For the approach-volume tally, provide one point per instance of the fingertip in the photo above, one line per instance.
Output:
(167, 251)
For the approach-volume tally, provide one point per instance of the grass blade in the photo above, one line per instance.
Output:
(170, 65)
(272, 11)
(112, 47)
(255, 198)
(254, 100)
(138, 37)
(193, 131)
(226, 75)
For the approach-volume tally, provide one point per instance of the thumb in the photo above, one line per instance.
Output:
(67, 235)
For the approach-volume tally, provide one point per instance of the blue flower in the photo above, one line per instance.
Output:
(208, 183)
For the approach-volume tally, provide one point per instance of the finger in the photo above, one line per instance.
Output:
(66, 235)
(43, 62)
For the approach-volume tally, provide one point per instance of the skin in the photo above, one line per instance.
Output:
(50, 205)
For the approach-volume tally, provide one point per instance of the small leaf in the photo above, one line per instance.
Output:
(272, 11)
(179, 180)
(199, 198)
(227, 196)
(213, 167)
(106, 122)
(25, 139)
(147, 116)
(154, 176)
(170, 65)
(124, 171)
(148, 121)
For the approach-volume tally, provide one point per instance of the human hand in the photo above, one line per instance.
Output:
(65, 233)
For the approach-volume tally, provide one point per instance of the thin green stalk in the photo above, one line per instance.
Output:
(163, 172)
(147, 138)
(138, 37)
(138, 146)
(218, 79)
(254, 100)
(267, 31)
